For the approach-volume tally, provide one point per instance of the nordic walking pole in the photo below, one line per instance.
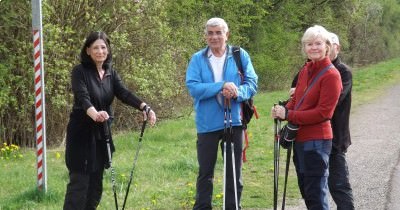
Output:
(136, 156)
(289, 153)
(233, 153)
(107, 135)
(275, 165)
(224, 139)
(276, 160)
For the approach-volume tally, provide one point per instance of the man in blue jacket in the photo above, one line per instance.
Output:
(211, 78)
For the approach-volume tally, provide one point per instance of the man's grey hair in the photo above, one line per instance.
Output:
(217, 22)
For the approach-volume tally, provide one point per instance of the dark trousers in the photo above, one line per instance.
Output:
(338, 181)
(311, 159)
(207, 152)
(84, 191)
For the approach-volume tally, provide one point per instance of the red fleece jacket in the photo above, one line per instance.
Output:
(314, 114)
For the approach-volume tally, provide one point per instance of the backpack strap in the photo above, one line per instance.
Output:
(238, 60)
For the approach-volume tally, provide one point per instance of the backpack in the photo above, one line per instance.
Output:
(248, 108)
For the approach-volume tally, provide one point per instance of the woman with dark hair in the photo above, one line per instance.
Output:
(94, 84)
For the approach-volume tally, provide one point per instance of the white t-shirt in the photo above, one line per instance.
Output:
(217, 64)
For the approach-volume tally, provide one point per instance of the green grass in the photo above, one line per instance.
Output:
(165, 174)
(371, 81)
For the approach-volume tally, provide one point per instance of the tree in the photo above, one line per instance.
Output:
(152, 41)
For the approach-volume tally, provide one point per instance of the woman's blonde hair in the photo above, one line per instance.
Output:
(315, 32)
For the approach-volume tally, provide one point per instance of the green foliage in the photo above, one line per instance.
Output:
(391, 22)
(275, 47)
(16, 72)
(152, 41)
(6, 90)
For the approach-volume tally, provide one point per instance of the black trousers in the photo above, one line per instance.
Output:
(84, 190)
(338, 181)
(207, 151)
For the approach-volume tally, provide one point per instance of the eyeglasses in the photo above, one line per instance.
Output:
(212, 33)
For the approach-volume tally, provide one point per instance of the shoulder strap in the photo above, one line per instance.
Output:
(236, 56)
(312, 84)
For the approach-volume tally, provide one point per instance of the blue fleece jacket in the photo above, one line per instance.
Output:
(205, 91)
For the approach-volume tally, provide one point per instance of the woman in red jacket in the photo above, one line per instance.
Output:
(311, 108)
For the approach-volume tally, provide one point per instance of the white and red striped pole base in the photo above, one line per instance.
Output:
(39, 111)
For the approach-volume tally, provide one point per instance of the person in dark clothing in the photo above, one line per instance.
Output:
(338, 180)
(94, 84)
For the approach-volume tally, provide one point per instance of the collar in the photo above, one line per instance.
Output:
(315, 67)
(336, 61)
(207, 51)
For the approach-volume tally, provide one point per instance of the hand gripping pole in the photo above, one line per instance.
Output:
(277, 133)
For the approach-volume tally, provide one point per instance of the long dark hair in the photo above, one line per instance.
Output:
(92, 37)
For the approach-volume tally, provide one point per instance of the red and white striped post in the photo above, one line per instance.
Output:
(40, 120)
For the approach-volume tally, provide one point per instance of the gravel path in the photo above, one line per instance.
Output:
(373, 157)
(375, 150)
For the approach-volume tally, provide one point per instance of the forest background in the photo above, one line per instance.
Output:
(152, 41)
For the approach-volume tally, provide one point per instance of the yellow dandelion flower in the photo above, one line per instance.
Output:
(58, 155)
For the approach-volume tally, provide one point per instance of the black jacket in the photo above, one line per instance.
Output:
(85, 138)
(340, 120)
